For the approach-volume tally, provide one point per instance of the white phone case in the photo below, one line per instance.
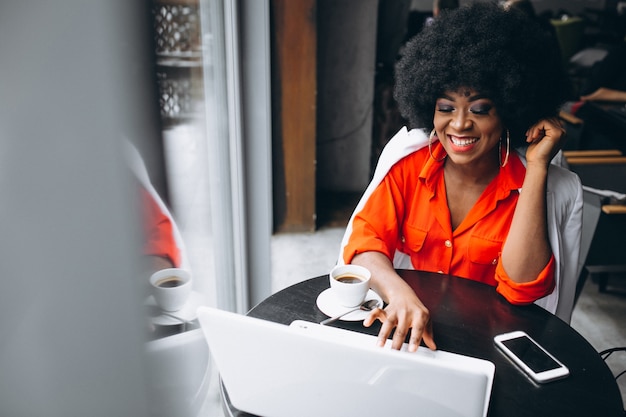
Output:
(536, 361)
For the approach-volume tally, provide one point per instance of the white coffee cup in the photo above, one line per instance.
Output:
(171, 288)
(350, 284)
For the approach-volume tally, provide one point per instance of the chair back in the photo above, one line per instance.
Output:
(603, 175)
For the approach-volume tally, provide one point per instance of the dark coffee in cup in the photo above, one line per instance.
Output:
(349, 279)
(171, 288)
(169, 282)
(350, 284)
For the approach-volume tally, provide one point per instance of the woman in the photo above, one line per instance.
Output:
(482, 81)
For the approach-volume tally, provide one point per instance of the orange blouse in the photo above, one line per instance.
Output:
(408, 212)
(158, 229)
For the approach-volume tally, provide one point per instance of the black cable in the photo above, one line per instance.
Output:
(608, 353)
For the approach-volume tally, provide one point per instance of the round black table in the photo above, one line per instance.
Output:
(466, 317)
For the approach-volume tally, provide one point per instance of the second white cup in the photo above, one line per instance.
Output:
(350, 284)
(171, 288)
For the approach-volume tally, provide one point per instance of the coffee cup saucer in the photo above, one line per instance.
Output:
(188, 312)
(328, 304)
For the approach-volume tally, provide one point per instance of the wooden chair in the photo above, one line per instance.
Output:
(574, 127)
(601, 172)
(592, 153)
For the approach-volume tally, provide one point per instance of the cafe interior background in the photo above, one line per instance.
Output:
(243, 112)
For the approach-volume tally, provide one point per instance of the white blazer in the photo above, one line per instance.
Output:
(564, 205)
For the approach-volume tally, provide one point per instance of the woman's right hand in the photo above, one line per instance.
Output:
(405, 314)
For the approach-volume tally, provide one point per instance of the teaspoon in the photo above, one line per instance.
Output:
(368, 305)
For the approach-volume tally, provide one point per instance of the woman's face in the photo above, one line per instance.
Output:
(468, 126)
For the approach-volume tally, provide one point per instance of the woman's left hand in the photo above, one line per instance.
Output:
(545, 139)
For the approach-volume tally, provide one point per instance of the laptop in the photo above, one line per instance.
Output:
(305, 369)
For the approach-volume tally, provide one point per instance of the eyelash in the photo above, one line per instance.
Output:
(445, 109)
(478, 111)
(481, 110)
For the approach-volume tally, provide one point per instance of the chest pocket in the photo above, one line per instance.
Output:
(483, 255)
(412, 239)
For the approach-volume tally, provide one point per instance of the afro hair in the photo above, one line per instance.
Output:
(504, 55)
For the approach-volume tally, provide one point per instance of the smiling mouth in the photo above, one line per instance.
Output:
(462, 141)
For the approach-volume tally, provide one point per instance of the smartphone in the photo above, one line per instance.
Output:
(537, 362)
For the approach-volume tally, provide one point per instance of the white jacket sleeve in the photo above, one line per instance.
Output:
(403, 143)
(565, 207)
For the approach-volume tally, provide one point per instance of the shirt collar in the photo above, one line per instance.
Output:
(511, 176)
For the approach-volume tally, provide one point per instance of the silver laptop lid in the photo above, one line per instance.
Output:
(305, 369)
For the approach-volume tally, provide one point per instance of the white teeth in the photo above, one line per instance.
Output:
(462, 142)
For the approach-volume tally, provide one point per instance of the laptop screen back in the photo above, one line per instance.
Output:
(305, 369)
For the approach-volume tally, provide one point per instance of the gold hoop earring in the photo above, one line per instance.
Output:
(430, 147)
(508, 147)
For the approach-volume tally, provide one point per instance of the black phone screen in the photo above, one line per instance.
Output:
(531, 354)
